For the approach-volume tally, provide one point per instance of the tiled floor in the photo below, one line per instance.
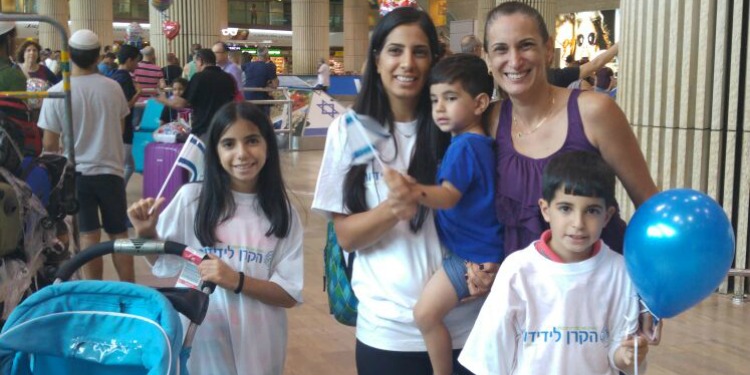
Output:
(712, 338)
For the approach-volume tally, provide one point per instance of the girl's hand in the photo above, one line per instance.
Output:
(144, 214)
(218, 272)
(625, 354)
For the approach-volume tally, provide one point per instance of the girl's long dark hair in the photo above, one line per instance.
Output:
(373, 101)
(216, 202)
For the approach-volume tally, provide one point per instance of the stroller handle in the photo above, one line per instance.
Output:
(123, 246)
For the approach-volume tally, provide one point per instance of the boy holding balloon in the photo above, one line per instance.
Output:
(565, 304)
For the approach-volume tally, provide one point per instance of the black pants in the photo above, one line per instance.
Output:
(372, 361)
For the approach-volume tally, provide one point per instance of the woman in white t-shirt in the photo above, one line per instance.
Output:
(395, 258)
(241, 217)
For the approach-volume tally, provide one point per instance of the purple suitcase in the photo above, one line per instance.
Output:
(158, 161)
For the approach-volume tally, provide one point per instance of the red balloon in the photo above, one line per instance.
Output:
(170, 29)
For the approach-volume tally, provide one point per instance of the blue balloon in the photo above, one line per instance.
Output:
(679, 246)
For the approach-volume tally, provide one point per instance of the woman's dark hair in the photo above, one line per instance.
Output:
(373, 101)
(84, 58)
(511, 8)
(579, 173)
(216, 203)
(22, 49)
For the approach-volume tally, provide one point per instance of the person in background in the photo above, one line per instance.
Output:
(470, 44)
(324, 75)
(189, 70)
(11, 78)
(222, 61)
(99, 110)
(570, 61)
(208, 91)
(563, 77)
(108, 66)
(53, 62)
(28, 58)
(169, 114)
(604, 81)
(172, 70)
(128, 56)
(148, 75)
(44, 54)
(260, 74)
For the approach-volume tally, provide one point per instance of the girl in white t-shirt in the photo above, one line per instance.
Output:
(241, 216)
(395, 258)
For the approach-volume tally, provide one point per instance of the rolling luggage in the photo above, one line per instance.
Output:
(159, 159)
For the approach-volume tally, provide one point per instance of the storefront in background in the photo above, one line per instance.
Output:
(584, 35)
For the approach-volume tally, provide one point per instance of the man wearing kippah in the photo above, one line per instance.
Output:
(99, 110)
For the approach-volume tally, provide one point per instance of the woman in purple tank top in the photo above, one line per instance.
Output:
(539, 121)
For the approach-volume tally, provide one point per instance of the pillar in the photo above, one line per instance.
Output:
(685, 88)
(58, 10)
(483, 7)
(95, 15)
(356, 28)
(200, 21)
(311, 35)
(547, 8)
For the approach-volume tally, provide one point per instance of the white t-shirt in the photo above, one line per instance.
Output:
(544, 317)
(389, 277)
(240, 335)
(324, 75)
(99, 106)
(52, 65)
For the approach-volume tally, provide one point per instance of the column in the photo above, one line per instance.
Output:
(548, 9)
(311, 35)
(356, 28)
(58, 10)
(95, 15)
(483, 7)
(685, 89)
(200, 21)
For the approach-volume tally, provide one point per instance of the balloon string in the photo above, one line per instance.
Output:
(635, 355)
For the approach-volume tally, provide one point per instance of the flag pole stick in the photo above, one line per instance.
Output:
(166, 182)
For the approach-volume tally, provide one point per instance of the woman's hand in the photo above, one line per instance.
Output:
(143, 215)
(218, 272)
(403, 198)
(480, 277)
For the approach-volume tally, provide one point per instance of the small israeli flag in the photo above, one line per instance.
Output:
(364, 135)
(191, 158)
